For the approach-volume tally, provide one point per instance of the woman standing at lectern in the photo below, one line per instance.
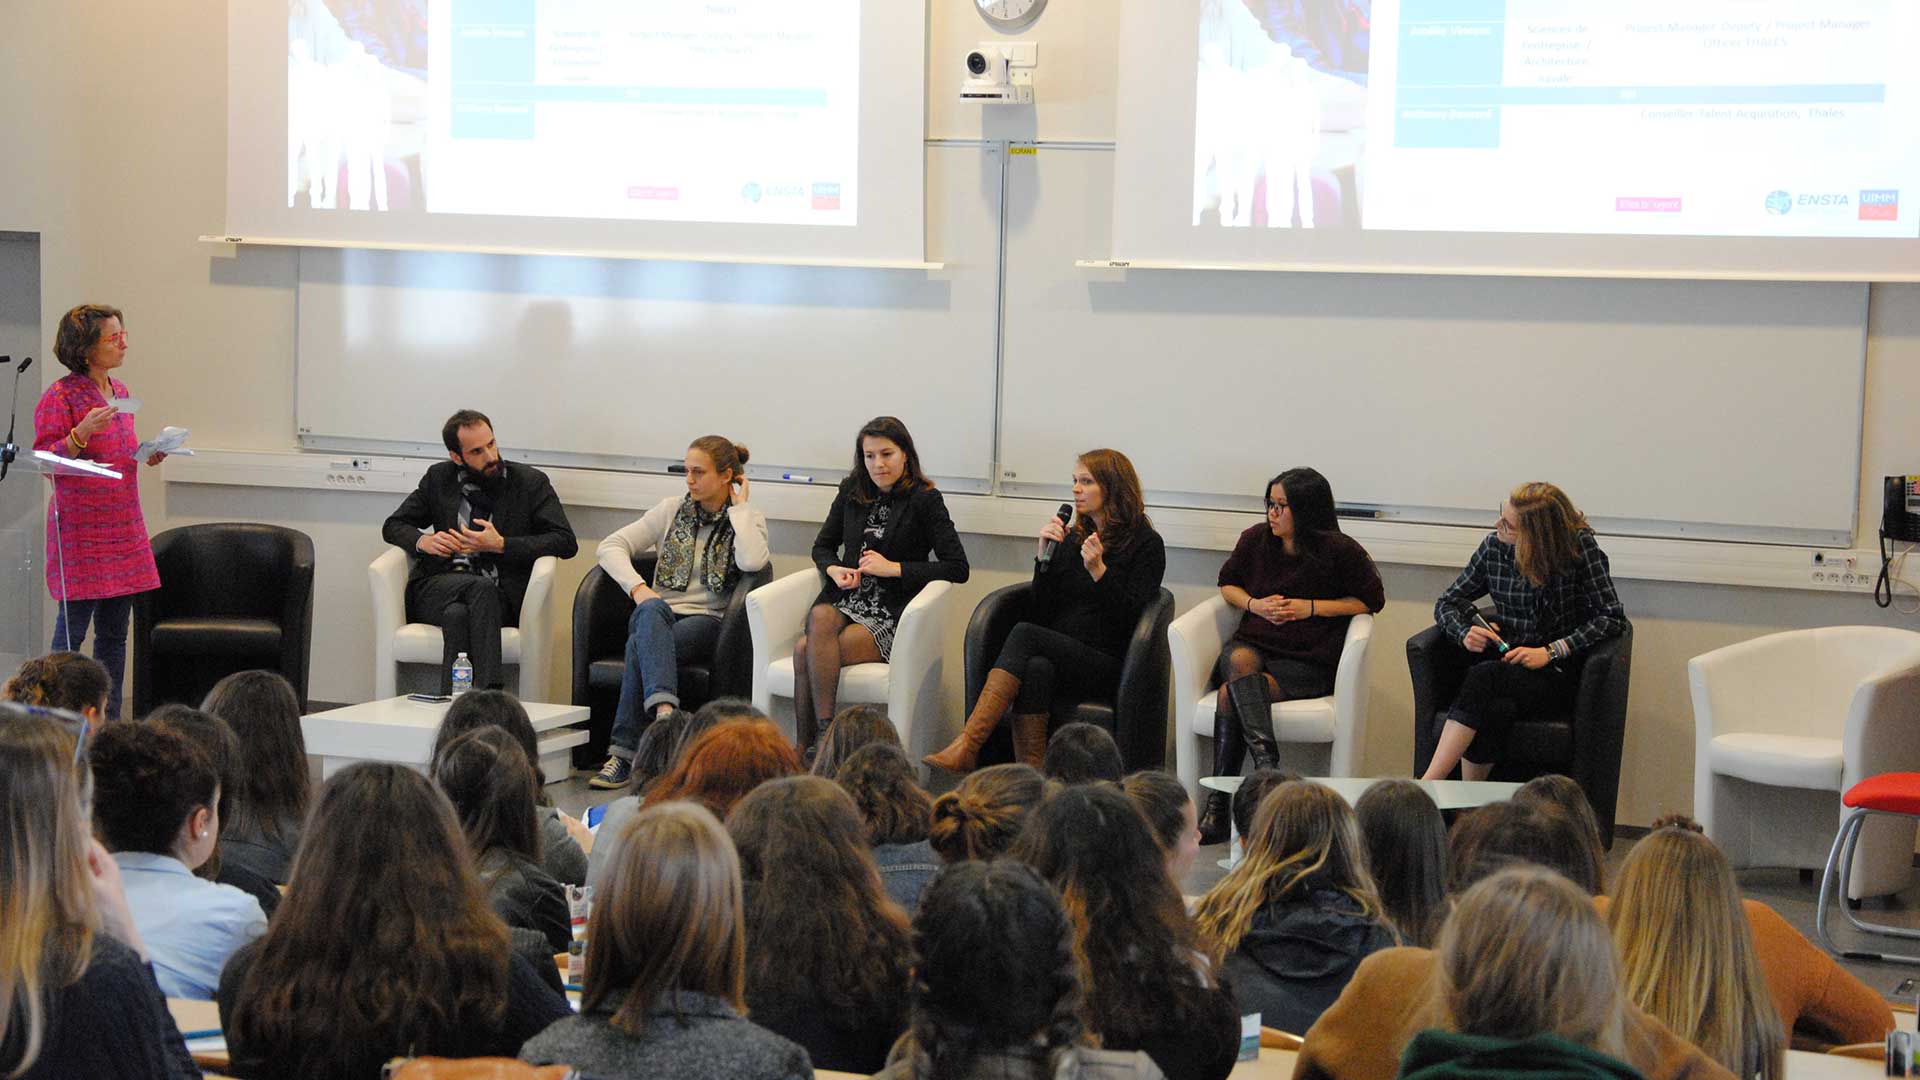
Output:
(98, 552)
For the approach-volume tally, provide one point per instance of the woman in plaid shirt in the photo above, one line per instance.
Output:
(1553, 598)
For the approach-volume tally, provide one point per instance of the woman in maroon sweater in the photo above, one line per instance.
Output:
(1299, 580)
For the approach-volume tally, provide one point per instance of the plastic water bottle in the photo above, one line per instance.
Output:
(462, 674)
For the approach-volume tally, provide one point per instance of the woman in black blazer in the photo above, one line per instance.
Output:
(886, 537)
(1087, 596)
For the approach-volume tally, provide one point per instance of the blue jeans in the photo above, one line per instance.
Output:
(109, 618)
(657, 640)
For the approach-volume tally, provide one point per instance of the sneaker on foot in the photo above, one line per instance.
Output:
(616, 773)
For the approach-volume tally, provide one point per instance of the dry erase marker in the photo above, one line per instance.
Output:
(680, 470)
(802, 477)
(1481, 621)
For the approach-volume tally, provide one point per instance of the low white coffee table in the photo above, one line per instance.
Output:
(1447, 794)
(401, 730)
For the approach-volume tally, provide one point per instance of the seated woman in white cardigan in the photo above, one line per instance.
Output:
(705, 539)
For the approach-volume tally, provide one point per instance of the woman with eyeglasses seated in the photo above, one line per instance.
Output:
(1090, 585)
(155, 806)
(1298, 580)
(99, 556)
(1554, 599)
(77, 995)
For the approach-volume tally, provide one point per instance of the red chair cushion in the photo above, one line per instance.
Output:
(1894, 793)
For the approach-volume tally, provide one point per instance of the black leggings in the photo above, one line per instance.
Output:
(1496, 693)
(1055, 671)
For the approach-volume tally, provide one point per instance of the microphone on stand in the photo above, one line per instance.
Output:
(9, 451)
(1065, 513)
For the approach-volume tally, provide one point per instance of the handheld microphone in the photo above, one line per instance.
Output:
(9, 451)
(1065, 514)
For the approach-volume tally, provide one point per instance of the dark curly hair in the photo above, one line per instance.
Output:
(994, 963)
(897, 809)
(147, 781)
(61, 680)
(1134, 942)
(79, 332)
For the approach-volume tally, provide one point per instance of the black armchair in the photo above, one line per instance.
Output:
(1137, 715)
(600, 614)
(233, 596)
(1585, 745)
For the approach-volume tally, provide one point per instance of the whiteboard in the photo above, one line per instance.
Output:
(619, 364)
(1724, 409)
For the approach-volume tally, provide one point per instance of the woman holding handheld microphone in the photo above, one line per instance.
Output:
(705, 538)
(1299, 580)
(1553, 597)
(98, 551)
(886, 536)
(1090, 583)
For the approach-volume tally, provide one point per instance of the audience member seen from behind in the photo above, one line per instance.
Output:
(1527, 978)
(271, 799)
(1082, 753)
(77, 997)
(563, 840)
(1297, 582)
(1565, 792)
(984, 813)
(487, 778)
(1162, 799)
(705, 539)
(215, 739)
(886, 537)
(1147, 986)
(853, 727)
(1505, 833)
(1292, 921)
(827, 948)
(717, 770)
(1087, 597)
(1689, 955)
(62, 680)
(1553, 600)
(898, 814)
(1247, 799)
(155, 799)
(384, 945)
(996, 991)
(1406, 841)
(666, 961)
(1398, 992)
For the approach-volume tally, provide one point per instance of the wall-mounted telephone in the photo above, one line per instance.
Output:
(1899, 522)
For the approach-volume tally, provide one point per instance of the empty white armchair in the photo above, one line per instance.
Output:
(1336, 722)
(528, 647)
(908, 684)
(1784, 724)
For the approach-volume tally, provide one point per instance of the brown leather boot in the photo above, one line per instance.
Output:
(996, 697)
(1030, 738)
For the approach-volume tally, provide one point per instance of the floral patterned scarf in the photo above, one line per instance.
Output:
(676, 550)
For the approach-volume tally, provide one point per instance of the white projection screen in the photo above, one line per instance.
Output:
(1713, 137)
(737, 129)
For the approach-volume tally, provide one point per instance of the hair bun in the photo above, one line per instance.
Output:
(740, 451)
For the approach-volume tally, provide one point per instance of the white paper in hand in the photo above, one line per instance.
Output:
(128, 405)
(171, 440)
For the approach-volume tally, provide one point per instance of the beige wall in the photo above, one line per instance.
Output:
(114, 129)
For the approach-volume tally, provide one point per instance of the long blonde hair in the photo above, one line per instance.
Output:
(47, 918)
(1524, 953)
(1304, 836)
(1548, 539)
(1687, 955)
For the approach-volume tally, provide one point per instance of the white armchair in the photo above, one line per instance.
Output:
(1337, 721)
(1787, 722)
(909, 685)
(529, 646)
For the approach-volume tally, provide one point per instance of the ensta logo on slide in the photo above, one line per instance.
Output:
(1781, 203)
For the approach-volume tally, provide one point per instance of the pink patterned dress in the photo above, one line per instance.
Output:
(103, 536)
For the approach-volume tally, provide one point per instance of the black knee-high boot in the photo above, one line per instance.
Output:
(1229, 751)
(1254, 708)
